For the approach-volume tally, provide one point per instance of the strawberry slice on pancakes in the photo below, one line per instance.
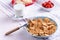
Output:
(28, 2)
(13, 2)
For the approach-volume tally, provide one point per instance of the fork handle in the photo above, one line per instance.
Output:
(11, 31)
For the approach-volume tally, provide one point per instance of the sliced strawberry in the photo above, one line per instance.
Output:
(34, 0)
(51, 3)
(13, 2)
(48, 4)
(52, 6)
(28, 4)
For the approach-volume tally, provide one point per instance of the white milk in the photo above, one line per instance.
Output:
(19, 10)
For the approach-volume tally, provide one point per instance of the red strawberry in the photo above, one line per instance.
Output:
(28, 4)
(34, 0)
(48, 4)
(13, 2)
(51, 4)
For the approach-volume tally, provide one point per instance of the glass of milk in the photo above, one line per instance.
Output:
(19, 10)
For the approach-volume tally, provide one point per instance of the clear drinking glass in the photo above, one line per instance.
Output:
(18, 9)
(19, 6)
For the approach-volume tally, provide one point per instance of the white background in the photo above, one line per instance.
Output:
(7, 24)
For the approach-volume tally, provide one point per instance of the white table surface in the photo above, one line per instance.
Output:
(7, 24)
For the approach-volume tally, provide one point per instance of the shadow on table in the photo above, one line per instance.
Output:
(41, 10)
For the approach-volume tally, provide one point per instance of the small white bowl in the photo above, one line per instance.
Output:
(46, 9)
